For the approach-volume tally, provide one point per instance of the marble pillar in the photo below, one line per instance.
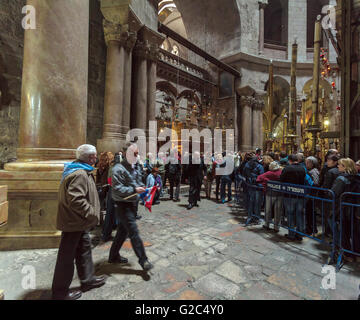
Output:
(127, 84)
(151, 84)
(52, 122)
(262, 6)
(246, 124)
(54, 84)
(140, 86)
(256, 130)
(260, 109)
(117, 86)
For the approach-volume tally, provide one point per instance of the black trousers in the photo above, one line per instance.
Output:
(127, 227)
(175, 180)
(73, 246)
(218, 181)
(194, 193)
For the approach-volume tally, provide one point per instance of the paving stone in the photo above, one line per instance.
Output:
(298, 287)
(192, 261)
(214, 285)
(163, 263)
(231, 271)
(220, 247)
(196, 271)
(204, 243)
(265, 291)
(189, 295)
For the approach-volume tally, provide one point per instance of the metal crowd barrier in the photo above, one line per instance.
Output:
(350, 221)
(312, 200)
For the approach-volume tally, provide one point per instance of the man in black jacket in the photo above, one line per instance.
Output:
(195, 172)
(126, 186)
(174, 175)
(294, 173)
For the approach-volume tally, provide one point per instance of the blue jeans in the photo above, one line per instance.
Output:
(254, 202)
(294, 212)
(225, 181)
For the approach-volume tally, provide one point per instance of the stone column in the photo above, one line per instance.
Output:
(55, 79)
(52, 121)
(260, 108)
(140, 86)
(246, 124)
(119, 42)
(127, 83)
(262, 6)
(151, 84)
(256, 130)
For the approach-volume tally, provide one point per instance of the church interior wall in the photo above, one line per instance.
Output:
(11, 56)
(97, 70)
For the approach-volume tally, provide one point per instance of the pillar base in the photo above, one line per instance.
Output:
(111, 145)
(33, 205)
(29, 240)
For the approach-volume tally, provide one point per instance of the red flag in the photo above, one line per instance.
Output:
(150, 200)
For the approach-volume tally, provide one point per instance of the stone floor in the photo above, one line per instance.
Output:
(205, 253)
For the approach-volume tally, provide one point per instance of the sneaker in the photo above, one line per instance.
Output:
(146, 265)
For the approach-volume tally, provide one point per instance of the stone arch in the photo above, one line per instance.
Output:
(281, 94)
(190, 94)
(167, 87)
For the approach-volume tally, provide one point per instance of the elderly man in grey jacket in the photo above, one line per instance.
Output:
(78, 213)
(126, 186)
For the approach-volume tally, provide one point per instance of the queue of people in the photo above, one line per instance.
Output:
(338, 174)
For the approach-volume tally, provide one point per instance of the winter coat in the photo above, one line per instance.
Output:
(293, 174)
(269, 176)
(252, 170)
(315, 176)
(330, 177)
(79, 205)
(347, 183)
(125, 180)
(175, 168)
(193, 170)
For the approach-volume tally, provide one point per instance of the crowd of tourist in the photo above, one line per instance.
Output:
(250, 175)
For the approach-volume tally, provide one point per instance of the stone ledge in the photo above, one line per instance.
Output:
(26, 241)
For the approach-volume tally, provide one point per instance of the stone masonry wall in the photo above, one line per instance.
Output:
(11, 56)
(97, 70)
